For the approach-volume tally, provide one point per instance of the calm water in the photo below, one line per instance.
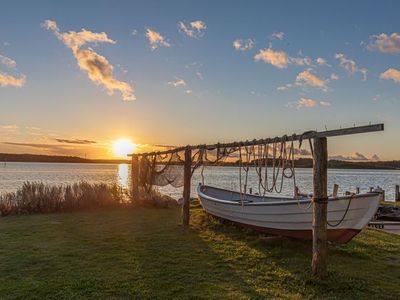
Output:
(14, 174)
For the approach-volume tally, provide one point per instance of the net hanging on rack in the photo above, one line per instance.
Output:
(161, 170)
(273, 162)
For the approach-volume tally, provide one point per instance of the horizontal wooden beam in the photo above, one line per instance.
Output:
(294, 137)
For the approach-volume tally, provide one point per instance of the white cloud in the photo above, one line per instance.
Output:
(322, 62)
(8, 80)
(307, 78)
(334, 77)
(9, 126)
(177, 82)
(97, 67)
(375, 157)
(385, 43)
(195, 29)
(356, 156)
(198, 25)
(199, 75)
(392, 74)
(277, 35)
(308, 103)
(10, 63)
(300, 61)
(350, 65)
(188, 92)
(156, 39)
(280, 59)
(284, 87)
(324, 103)
(243, 45)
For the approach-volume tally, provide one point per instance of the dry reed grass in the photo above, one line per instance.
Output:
(37, 197)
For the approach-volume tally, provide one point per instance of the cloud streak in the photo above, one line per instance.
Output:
(97, 67)
(322, 62)
(279, 35)
(280, 59)
(350, 65)
(9, 126)
(307, 78)
(195, 29)
(177, 82)
(34, 145)
(307, 103)
(10, 63)
(385, 43)
(356, 156)
(391, 74)
(8, 80)
(156, 40)
(243, 45)
(76, 141)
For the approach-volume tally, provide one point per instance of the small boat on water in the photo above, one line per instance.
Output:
(292, 217)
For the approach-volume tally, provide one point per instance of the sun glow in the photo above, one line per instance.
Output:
(123, 147)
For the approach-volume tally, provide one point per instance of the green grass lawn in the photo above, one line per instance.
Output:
(390, 203)
(143, 253)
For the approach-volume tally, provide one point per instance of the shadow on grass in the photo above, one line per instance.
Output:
(178, 264)
(357, 269)
(143, 253)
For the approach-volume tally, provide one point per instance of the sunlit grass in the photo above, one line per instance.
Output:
(143, 254)
(37, 197)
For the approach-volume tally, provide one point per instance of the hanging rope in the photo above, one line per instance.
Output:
(272, 158)
(344, 215)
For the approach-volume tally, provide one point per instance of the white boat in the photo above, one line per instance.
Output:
(289, 216)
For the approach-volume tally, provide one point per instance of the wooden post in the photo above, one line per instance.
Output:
(335, 190)
(187, 173)
(135, 178)
(320, 200)
(357, 190)
(397, 193)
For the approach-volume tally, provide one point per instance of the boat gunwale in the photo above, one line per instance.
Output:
(283, 200)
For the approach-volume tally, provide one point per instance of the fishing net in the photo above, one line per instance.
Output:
(161, 170)
(272, 160)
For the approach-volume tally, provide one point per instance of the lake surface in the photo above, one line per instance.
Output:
(15, 174)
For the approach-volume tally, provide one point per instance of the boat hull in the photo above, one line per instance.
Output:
(290, 217)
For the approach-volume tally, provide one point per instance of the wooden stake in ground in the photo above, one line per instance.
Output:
(320, 199)
(135, 177)
(186, 188)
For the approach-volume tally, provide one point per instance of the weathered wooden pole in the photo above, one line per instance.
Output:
(335, 190)
(135, 178)
(187, 173)
(320, 199)
(397, 193)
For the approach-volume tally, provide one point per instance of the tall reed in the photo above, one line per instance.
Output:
(37, 197)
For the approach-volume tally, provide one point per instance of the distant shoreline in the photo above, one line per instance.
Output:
(9, 157)
(300, 163)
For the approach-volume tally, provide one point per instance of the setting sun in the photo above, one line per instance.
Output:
(123, 147)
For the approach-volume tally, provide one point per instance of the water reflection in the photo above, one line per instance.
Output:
(13, 177)
(123, 175)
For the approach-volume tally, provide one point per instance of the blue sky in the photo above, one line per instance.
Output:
(195, 87)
